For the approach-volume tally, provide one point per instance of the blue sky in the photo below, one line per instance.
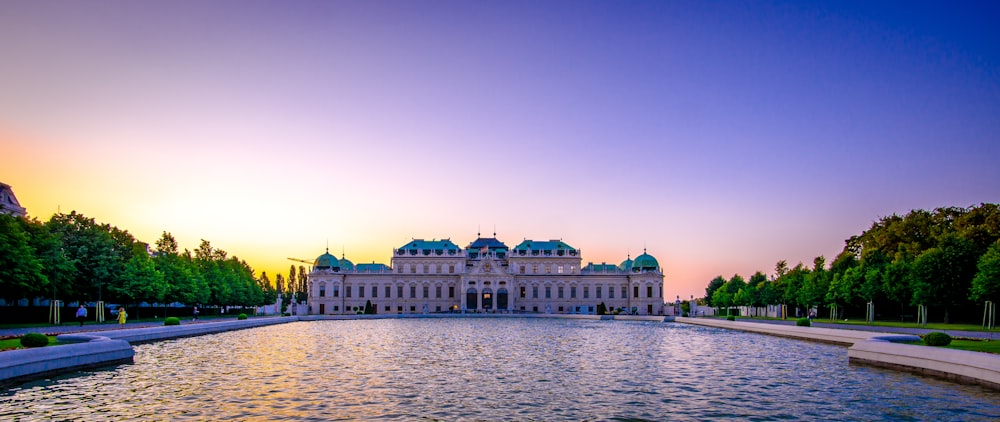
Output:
(722, 136)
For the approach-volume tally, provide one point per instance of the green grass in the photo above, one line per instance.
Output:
(985, 346)
(15, 343)
(930, 325)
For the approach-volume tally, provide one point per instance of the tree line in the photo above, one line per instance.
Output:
(947, 260)
(74, 258)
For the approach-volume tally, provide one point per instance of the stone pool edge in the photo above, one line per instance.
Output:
(880, 350)
(88, 350)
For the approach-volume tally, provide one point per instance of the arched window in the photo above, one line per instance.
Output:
(471, 298)
(502, 298)
(487, 298)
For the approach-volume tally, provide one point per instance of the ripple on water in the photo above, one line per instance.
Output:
(493, 369)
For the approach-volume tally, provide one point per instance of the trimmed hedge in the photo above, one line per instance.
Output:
(803, 322)
(34, 340)
(172, 321)
(242, 316)
(731, 318)
(937, 339)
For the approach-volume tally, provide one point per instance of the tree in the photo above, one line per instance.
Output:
(21, 273)
(780, 269)
(943, 275)
(986, 284)
(713, 285)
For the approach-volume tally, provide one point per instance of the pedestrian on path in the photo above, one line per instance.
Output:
(81, 314)
(195, 314)
(122, 315)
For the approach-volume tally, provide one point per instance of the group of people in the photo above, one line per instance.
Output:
(81, 315)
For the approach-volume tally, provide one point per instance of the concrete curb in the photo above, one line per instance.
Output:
(86, 352)
(881, 350)
(105, 348)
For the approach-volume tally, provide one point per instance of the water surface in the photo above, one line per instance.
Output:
(494, 369)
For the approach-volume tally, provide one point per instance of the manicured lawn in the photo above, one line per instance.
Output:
(14, 343)
(930, 325)
(988, 346)
(985, 346)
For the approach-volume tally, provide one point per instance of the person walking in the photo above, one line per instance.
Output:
(122, 315)
(81, 314)
(195, 314)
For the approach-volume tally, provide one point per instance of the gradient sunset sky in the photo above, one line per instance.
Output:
(722, 136)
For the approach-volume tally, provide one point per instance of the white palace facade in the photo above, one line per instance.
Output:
(430, 276)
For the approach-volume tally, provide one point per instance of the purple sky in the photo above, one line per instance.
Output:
(724, 136)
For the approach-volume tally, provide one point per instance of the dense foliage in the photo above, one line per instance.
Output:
(172, 321)
(241, 316)
(947, 259)
(803, 322)
(72, 257)
(937, 339)
(34, 340)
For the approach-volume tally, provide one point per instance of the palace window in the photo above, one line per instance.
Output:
(534, 292)
(451, 292)
(524, 291)
(336, 291)
(413, 292)
(586, 292)
(437, 292)
(387, 291)
(451, 269)
(572, 292)
(635, 291)
(560, 293)
(597, 292)
(399, 293)
(322, 291)
(560, 269)
(413, 268)
(426, 292)
(361, 291)
(374, 291)
(624, 292)
(522, 269)
(387, 308)
(649, 291)
(347, 291)
(548, 292)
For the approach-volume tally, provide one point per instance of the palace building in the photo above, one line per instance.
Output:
(428, 276)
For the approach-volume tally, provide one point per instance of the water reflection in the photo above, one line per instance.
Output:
(493, 369)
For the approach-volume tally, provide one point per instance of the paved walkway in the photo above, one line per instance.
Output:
(92, 327)
(991, 335)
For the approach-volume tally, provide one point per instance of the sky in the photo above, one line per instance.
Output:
(718, 136)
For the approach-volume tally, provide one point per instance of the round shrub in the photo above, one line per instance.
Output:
(937, 339)
(803, 322)
(34, 340)
(172, 321)
(731, 318)
(242, 316)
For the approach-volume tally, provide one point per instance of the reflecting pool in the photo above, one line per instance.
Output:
(493, 369)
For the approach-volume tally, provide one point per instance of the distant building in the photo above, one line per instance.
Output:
(8, 202)
(486, 276)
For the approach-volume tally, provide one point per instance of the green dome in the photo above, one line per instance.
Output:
(326, 262)
(626, 265)
(645, 262)
(346, 264)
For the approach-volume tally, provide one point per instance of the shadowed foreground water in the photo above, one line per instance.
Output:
(493, 369)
